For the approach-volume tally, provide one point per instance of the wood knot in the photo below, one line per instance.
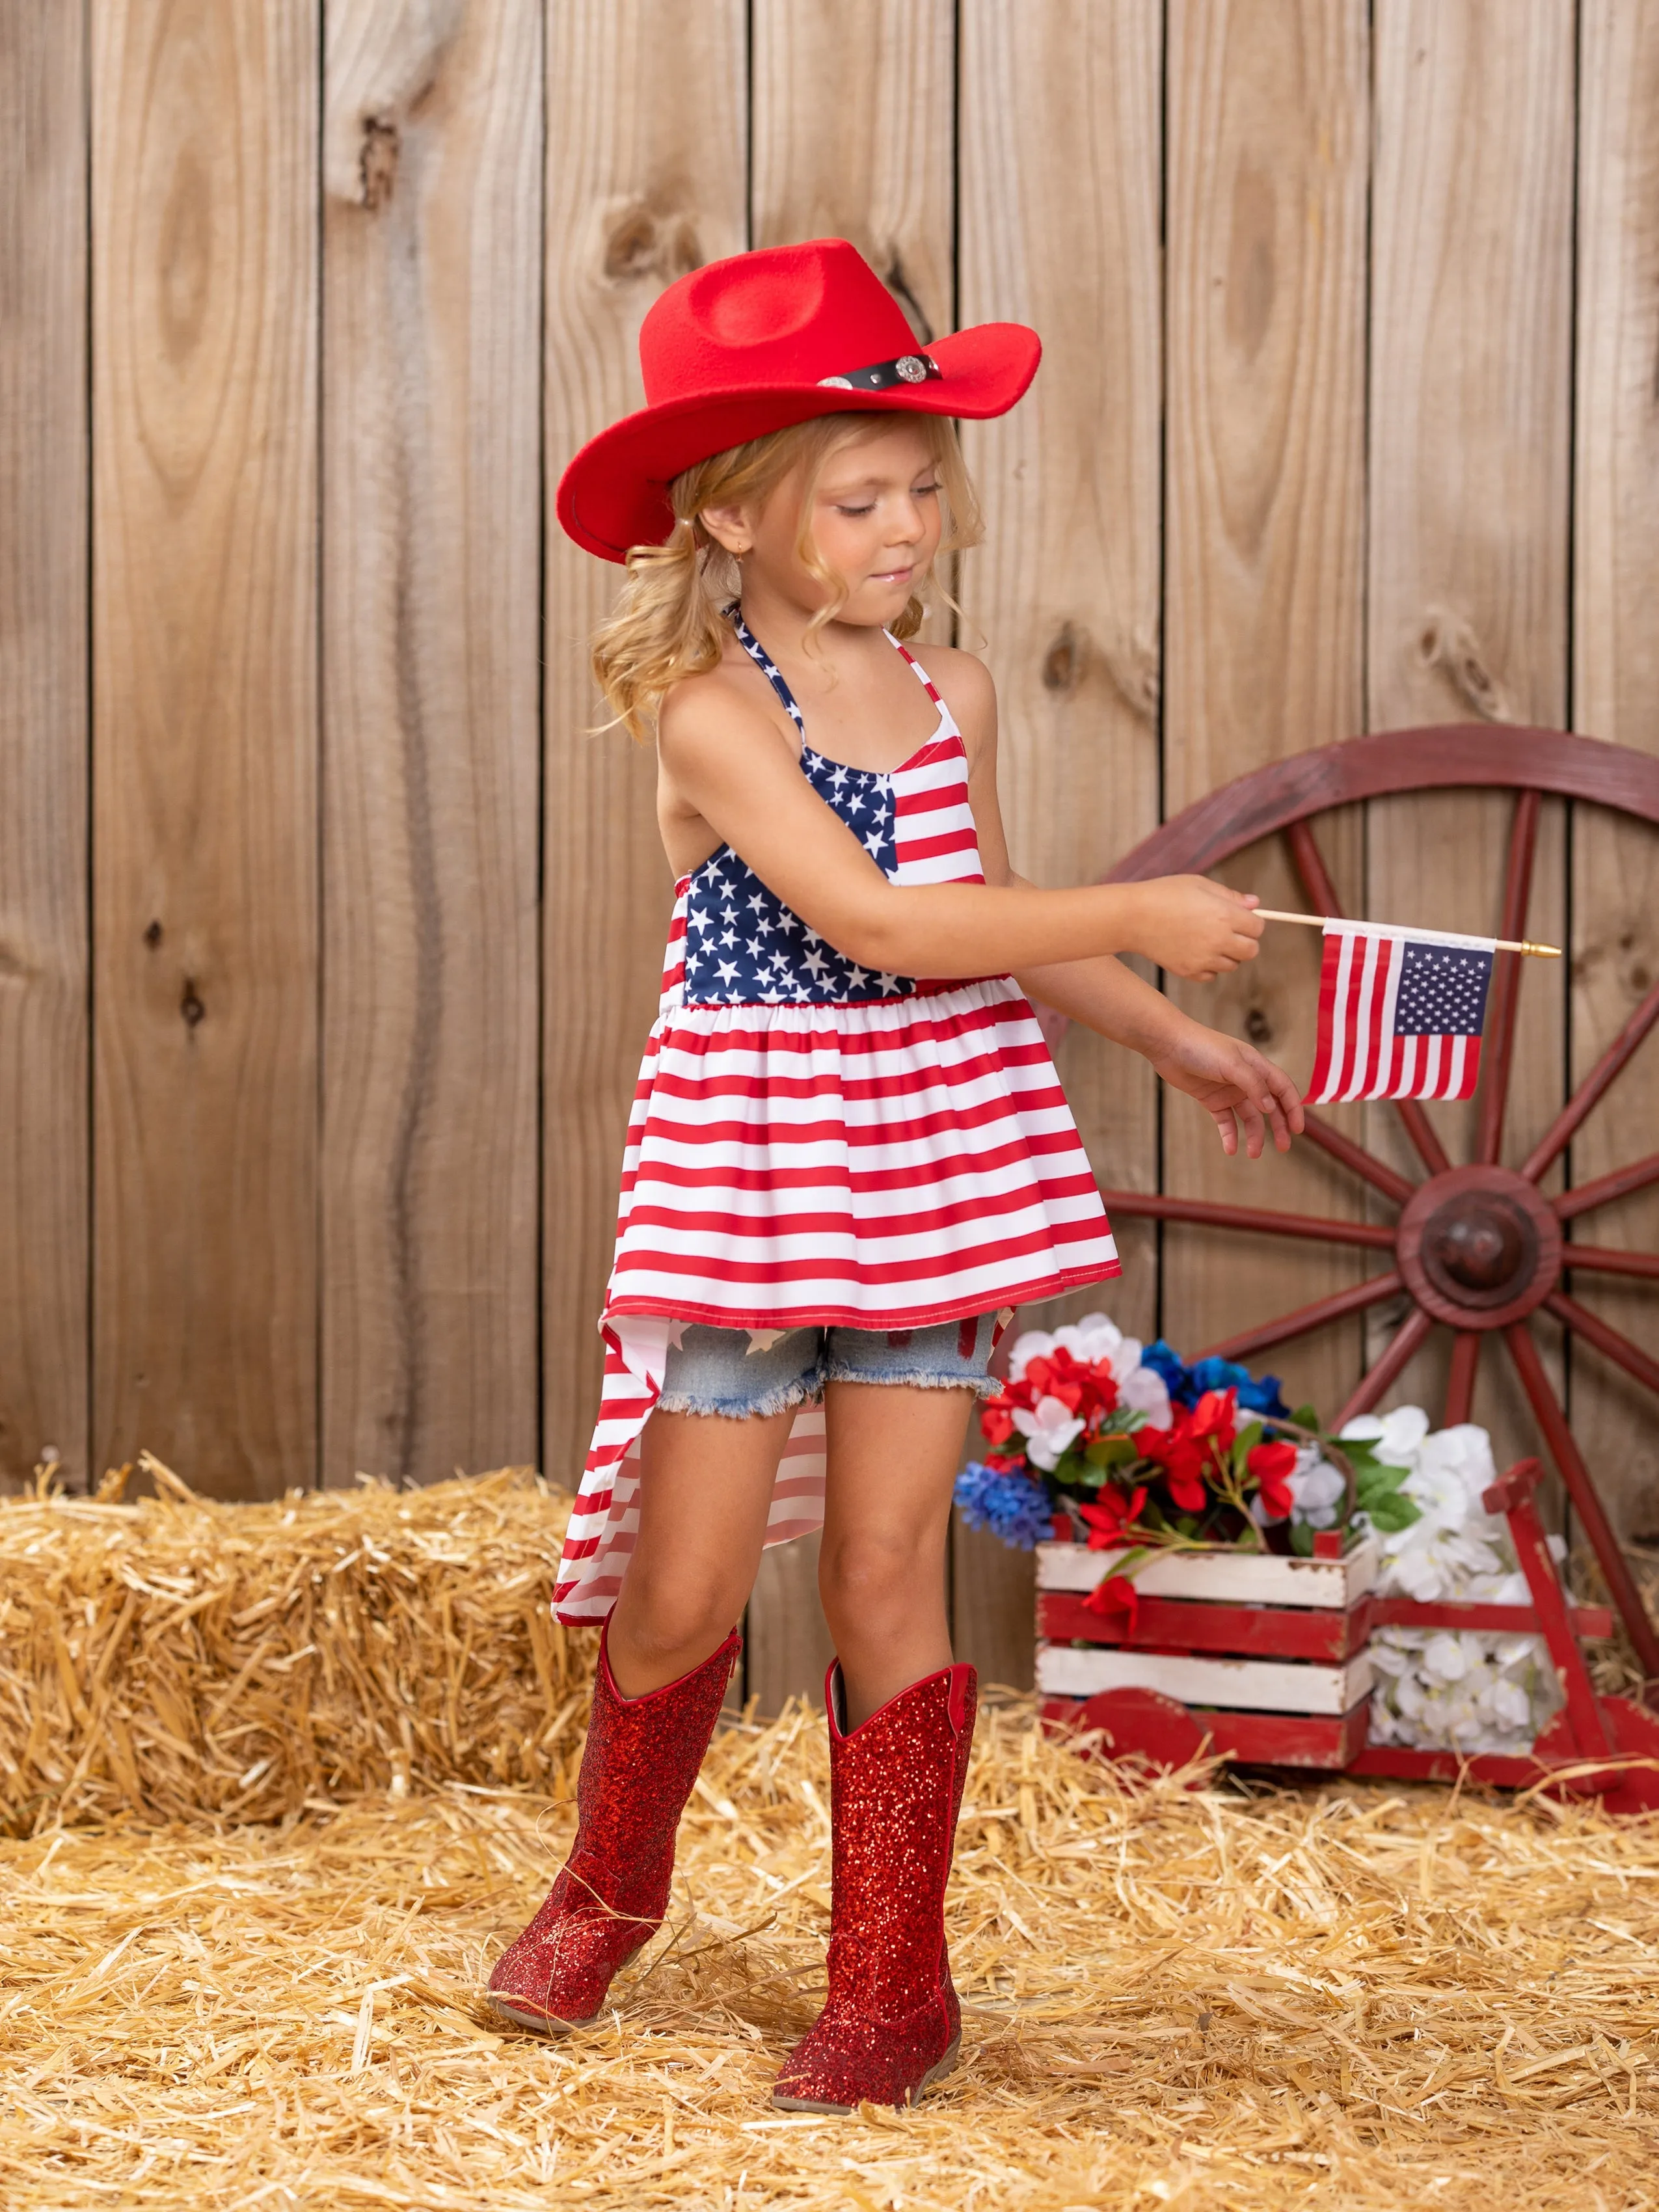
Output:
(1447, 644)
(1067, 657)
(377, 161)
(190, 1006)
(898, 281)
(640, 242)
(153, 935)
(1257, 1027)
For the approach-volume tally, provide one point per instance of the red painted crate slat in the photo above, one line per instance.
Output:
(1245, 1631)
(1254, 1738)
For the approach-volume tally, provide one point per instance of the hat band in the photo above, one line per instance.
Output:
(909, 368)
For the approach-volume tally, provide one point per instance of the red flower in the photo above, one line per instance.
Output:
(1006, 1464)
(996, 1420)
(1189, 1445)
(1107, 1517)
(1216, 1414)
(1272, 1465)
(1061, 1525)
(1115, 1594)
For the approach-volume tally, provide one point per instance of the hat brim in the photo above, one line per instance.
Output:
(614, 495)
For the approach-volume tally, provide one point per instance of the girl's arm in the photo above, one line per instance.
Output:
(727, 760)
(1233, 1082)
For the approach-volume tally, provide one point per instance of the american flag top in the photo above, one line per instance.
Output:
(1262, 1661)
(812, 1142)
(1400, 1014)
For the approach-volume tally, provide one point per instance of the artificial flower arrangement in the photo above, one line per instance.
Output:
(1464, 1690)
(1098, 1438)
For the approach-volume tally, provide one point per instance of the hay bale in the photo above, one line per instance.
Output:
(177, 1658)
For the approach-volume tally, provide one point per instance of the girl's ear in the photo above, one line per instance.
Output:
(730, 527)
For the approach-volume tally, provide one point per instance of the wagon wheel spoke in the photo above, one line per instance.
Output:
(1615, 1569)
(1308, 1318)
(1619, 1184)
(1588, 1093)
(1594, 1330)
(1356, 1160)
(1506, 982)
(1310, 863)
(1379, 1378)
(1151, 1205)
(1605, 1260)
(1460, 1383)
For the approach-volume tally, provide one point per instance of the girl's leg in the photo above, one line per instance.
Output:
(705, 1489)
(894, 1450)
(664, 1663)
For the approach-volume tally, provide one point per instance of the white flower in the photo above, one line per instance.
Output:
(1394, 1438)
(1316, 1489)
(1466, 1690)
(1145, 1391)
(1048, 1430)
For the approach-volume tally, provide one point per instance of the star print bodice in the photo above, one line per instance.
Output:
(741, 946)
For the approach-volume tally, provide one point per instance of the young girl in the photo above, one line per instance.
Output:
(849, 1156)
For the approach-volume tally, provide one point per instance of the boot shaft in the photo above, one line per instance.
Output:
(896, 1790)
(639, 1767)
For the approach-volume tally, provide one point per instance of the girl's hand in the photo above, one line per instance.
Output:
(1232, 1082)
(1194, 927)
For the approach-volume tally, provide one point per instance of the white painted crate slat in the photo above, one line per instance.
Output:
(1259, 1685)
(1222, 1575)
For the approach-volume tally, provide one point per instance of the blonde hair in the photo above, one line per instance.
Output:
(668, 624)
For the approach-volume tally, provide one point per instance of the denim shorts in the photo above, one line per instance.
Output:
(740, 1372)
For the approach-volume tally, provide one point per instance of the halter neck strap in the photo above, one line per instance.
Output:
(758, 652)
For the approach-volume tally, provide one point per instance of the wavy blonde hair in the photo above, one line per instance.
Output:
(667, 621)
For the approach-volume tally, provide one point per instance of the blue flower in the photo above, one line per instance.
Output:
(1173, 1368)
(1186, 1385)
(1011, 1506)
(1254, 1397)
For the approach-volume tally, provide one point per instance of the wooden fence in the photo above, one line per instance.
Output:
(328, 935)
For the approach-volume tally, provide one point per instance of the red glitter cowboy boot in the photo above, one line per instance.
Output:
(891, 2024)
(638, 1769)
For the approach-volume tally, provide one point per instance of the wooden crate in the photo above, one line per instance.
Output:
(1262, 1658)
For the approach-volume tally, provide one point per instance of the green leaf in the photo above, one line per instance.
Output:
(1305, 1417)
(1393, 1514)
(1110, 1451)
(1245, 1442)
(1302, 1537)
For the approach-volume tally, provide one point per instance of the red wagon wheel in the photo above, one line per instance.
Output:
(1477, 1249)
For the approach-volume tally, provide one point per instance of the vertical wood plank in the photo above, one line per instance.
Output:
(1269, 158)
(43, 741)
(431, 670)
(647, 158)
(1059, 226)
(1471, 412)
(852, 105)
(205, 305)
(1615, 872)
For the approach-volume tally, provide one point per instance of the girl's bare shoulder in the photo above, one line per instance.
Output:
(723, 720)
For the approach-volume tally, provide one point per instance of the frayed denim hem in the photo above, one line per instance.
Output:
(982, 1386)
(781, 1401)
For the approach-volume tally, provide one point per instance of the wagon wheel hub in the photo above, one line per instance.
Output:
(1479, 1247)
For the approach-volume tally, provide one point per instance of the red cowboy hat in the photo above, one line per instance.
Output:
(751, 345)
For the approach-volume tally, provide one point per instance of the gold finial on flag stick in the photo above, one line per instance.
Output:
(1433, 936)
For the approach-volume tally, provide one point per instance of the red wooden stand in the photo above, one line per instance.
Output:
(1594, 1746)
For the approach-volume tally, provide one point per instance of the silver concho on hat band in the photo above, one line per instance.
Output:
(909, 368)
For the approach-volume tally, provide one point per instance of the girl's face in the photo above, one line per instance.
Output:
(875, 521)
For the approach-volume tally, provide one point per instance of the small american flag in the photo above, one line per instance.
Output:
(1400, 1016)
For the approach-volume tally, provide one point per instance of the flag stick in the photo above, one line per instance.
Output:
(1433, 936)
